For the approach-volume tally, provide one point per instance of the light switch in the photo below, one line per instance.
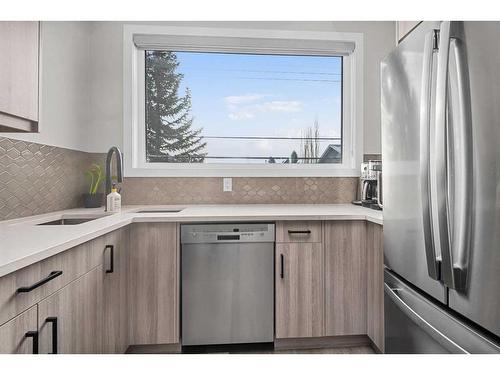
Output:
(227, 184)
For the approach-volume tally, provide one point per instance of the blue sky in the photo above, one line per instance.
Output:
(262, 95)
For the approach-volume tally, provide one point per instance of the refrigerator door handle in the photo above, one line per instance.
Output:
(430, 45)
(462, 158)
(441, 155)
(439, 337)
(453, 156)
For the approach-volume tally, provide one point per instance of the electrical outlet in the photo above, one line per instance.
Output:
(227, 184)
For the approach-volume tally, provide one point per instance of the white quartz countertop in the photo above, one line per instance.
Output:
(23, 242)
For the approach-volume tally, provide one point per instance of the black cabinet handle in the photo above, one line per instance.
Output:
(53, 320)
(111, 258)
(299, 231)
(282, 266)
(52, 275)
(33, 335)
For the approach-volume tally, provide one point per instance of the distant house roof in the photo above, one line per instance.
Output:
(332, 154)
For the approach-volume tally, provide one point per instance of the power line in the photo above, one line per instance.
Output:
(204, 74)
(264, 71)
(290, 79)
(270, 137)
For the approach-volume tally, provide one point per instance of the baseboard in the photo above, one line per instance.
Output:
(321, 342)
(155, 349)
(279, 344)
(375, 348)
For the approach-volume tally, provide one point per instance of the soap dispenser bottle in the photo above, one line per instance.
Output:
(114, 200)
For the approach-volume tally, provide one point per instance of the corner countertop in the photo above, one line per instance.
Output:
(23, 242)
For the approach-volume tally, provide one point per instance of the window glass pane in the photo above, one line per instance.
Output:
(243, 108)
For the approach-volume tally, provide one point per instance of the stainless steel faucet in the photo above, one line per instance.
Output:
(119, 169)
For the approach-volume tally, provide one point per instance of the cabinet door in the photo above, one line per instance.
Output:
(345, 278)
(299, 290)
(114, 247)
(19, 46)
(375, 275)
(71, 319)
(13, 339)
(153, 284)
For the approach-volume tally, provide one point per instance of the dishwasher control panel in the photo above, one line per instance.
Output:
(219, 233)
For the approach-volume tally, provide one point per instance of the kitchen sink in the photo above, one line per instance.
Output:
(71, 220)
(157, 211)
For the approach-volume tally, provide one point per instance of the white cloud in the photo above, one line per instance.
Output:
(240, 115)
(243, 99)
(246, 106)
(280, 106)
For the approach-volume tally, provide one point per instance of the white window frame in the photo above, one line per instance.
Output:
(135, 164)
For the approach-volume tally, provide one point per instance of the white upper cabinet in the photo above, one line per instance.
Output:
(19, 66)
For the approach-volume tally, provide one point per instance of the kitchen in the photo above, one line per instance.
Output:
(189, 187)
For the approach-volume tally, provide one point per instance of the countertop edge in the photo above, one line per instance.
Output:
(36, 257)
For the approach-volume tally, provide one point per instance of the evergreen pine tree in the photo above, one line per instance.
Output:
(169, 133)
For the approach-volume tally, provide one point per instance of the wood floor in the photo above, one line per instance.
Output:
(159, 349)
(352, 350)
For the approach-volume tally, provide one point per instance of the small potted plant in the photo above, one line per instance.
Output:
(93, 199)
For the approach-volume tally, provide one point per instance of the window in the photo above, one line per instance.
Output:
(242, 108)
(230, 105)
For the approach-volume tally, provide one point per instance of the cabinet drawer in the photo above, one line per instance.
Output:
(40, 279)
(298, 231)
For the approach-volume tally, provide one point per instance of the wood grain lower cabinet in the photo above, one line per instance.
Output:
(13, 339)
(71, 319)
(299, 290)
(73, 263)
(114, 247)
(89, 300)
(345, 277)
(153, 284)
(375, 284)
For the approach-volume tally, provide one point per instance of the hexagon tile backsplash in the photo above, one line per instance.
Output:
(36, 178)
(208, 190)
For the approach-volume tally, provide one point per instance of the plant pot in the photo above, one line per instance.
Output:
(92, 200)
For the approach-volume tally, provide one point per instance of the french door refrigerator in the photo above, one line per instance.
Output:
(440, 112)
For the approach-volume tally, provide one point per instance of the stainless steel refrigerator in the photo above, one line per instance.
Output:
(440, 106)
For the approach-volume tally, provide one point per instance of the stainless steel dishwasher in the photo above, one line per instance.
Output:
(227, 283)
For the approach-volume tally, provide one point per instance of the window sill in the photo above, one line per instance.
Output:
(227, 170)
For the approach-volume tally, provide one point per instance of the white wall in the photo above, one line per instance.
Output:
(106, 70)
(82, 79)
(65, 84)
